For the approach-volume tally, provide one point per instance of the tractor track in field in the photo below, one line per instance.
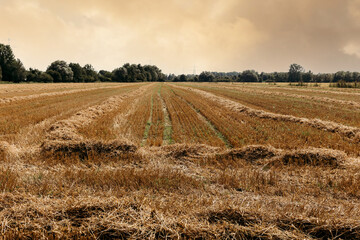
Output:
(149, 123)
(167, 135)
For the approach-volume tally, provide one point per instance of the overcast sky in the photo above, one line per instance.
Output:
(178, 35)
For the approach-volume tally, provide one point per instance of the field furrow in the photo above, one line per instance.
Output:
(156, 124)
(243, 126)
(168, 126)
(41, 95)
(133, 128)
(13, 90)
(16, 116)
(56, 90)
(287, 105)
(293, 95)
(68, 130)
(189, 126)
(322, 87)
(344, 130)
(340, 94)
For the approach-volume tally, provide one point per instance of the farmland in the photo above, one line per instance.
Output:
(179, 160)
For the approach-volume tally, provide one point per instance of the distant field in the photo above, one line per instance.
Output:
(179, 160)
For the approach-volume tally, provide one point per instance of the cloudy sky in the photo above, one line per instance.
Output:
(178, 35)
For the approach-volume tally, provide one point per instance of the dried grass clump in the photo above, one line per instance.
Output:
(258, 154)
(312, 157)
(321, 230)
(187, 151)
(3, 147)
(9, 151)
(67, 219)
(135, 222)
(8, 180)
(311, 227)
(67, 129)
(232, 216)
(84, 149)
(133, 179)
(252, 153)
(64, 131)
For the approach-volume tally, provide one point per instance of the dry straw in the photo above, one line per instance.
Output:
(346, 131)
(315, 98)
(52, 94)
(66, 130)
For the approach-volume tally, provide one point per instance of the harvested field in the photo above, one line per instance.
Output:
(325, 108)
(178, 161)
(313, 96)
(344, 130)
(16, 116)
(47, 94)
(8, 91)
(189, 126)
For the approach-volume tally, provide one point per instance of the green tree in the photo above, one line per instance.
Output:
(78, 71)
(12, 69)
(137, 73)
(105, 76)
(183, 78)
(63, 69)
(339, 76)
(249, 76)
(120, 75)
(170, 77)
(45, 78)
(206, 77)
(295, 73)
(308, 76)
(0, 74)
(33, 75)
(349, 77)
(55, 75)
(356, 76)
(90, 73)
(18, 72)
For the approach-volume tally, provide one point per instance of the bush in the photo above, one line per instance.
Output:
(344, 84)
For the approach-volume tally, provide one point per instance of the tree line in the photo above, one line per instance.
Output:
(12, 70)
(296, 74)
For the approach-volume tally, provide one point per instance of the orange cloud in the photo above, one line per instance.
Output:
(216, 35)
